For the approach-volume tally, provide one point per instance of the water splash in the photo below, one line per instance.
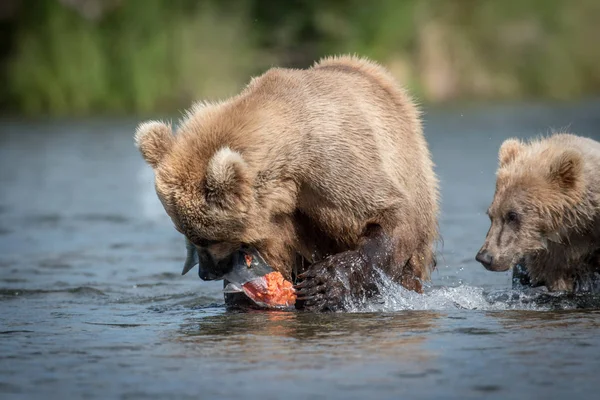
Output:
(394, 297)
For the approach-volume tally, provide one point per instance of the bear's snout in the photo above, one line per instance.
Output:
(492, 261)
(209, 269)
(485, 258)
(207, 275)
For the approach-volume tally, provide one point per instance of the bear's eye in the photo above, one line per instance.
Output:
(512, 217)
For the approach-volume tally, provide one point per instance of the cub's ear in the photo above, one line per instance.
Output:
(509, 151)
(228, 183)
(566, 170)
(154, 139)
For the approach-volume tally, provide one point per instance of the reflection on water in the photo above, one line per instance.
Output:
(308, 341)
(92, 303)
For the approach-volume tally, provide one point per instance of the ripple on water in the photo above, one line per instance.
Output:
(474, 331)
(110, 218)
(84, 291)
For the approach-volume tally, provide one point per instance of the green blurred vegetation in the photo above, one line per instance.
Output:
(66, 57)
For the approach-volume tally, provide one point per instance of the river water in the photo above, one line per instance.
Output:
(92, 303)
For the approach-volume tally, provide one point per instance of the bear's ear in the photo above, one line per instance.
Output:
(509, 151)
(227, 179)
(154, 139)
(566, 170)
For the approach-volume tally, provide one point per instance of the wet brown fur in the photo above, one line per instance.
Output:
(303, 161)
(553, 185)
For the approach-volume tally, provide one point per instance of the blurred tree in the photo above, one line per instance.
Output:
(147, 56)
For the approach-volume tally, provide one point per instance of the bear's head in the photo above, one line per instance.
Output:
(537, 188)
(205, 189)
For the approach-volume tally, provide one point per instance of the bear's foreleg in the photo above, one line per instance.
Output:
(347, 277)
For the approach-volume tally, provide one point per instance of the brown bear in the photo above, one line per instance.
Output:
(545, 215)
(328, 163)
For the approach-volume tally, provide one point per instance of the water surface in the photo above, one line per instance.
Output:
(92, 304)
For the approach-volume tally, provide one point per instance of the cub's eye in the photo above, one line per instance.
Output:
(512, 217)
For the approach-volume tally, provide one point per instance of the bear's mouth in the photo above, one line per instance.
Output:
(241, 266)
(207, 269)
(247, 260)
(248, 277)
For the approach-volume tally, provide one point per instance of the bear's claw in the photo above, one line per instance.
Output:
(325, 286)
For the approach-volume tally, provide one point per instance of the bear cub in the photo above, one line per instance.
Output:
(545, 215)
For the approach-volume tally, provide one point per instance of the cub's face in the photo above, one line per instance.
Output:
(537, 185)
(516, 231)
(207, 193)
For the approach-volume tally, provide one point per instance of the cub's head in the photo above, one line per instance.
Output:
(537, 187)
(205, 189)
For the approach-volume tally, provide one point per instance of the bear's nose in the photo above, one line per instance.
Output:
(206, 266)
(207, 275)
(485, 258)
